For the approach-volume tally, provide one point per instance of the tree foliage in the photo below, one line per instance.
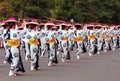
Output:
(85, 11)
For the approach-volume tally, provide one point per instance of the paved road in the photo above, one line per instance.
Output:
(103, 67)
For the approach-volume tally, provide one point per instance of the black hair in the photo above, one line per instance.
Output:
(78, 26)
(32, 26)
(98, 27)
(11, 24)
(5, 26)
(90, 27)
(41, 26)
(49, 26)
(63, 26)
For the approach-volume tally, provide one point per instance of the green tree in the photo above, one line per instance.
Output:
(85, 11)
(6, 9)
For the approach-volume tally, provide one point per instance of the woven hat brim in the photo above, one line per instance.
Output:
(2, 24)
(12, 21)
(33, 23)
(49, 24)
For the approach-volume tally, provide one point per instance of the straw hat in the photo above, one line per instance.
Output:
(54, 27)
(50, 23)
(42, 23)
(2, 23)
(65, 24)
(20, 27)
(72, 27)
(90, 26)
(118, 26)
(33, 22)
(11, 19)
(78, 25)
(98, 26)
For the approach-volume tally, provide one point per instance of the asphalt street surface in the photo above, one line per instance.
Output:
(103, 67)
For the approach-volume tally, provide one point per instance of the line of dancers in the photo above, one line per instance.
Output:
(38, 39)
